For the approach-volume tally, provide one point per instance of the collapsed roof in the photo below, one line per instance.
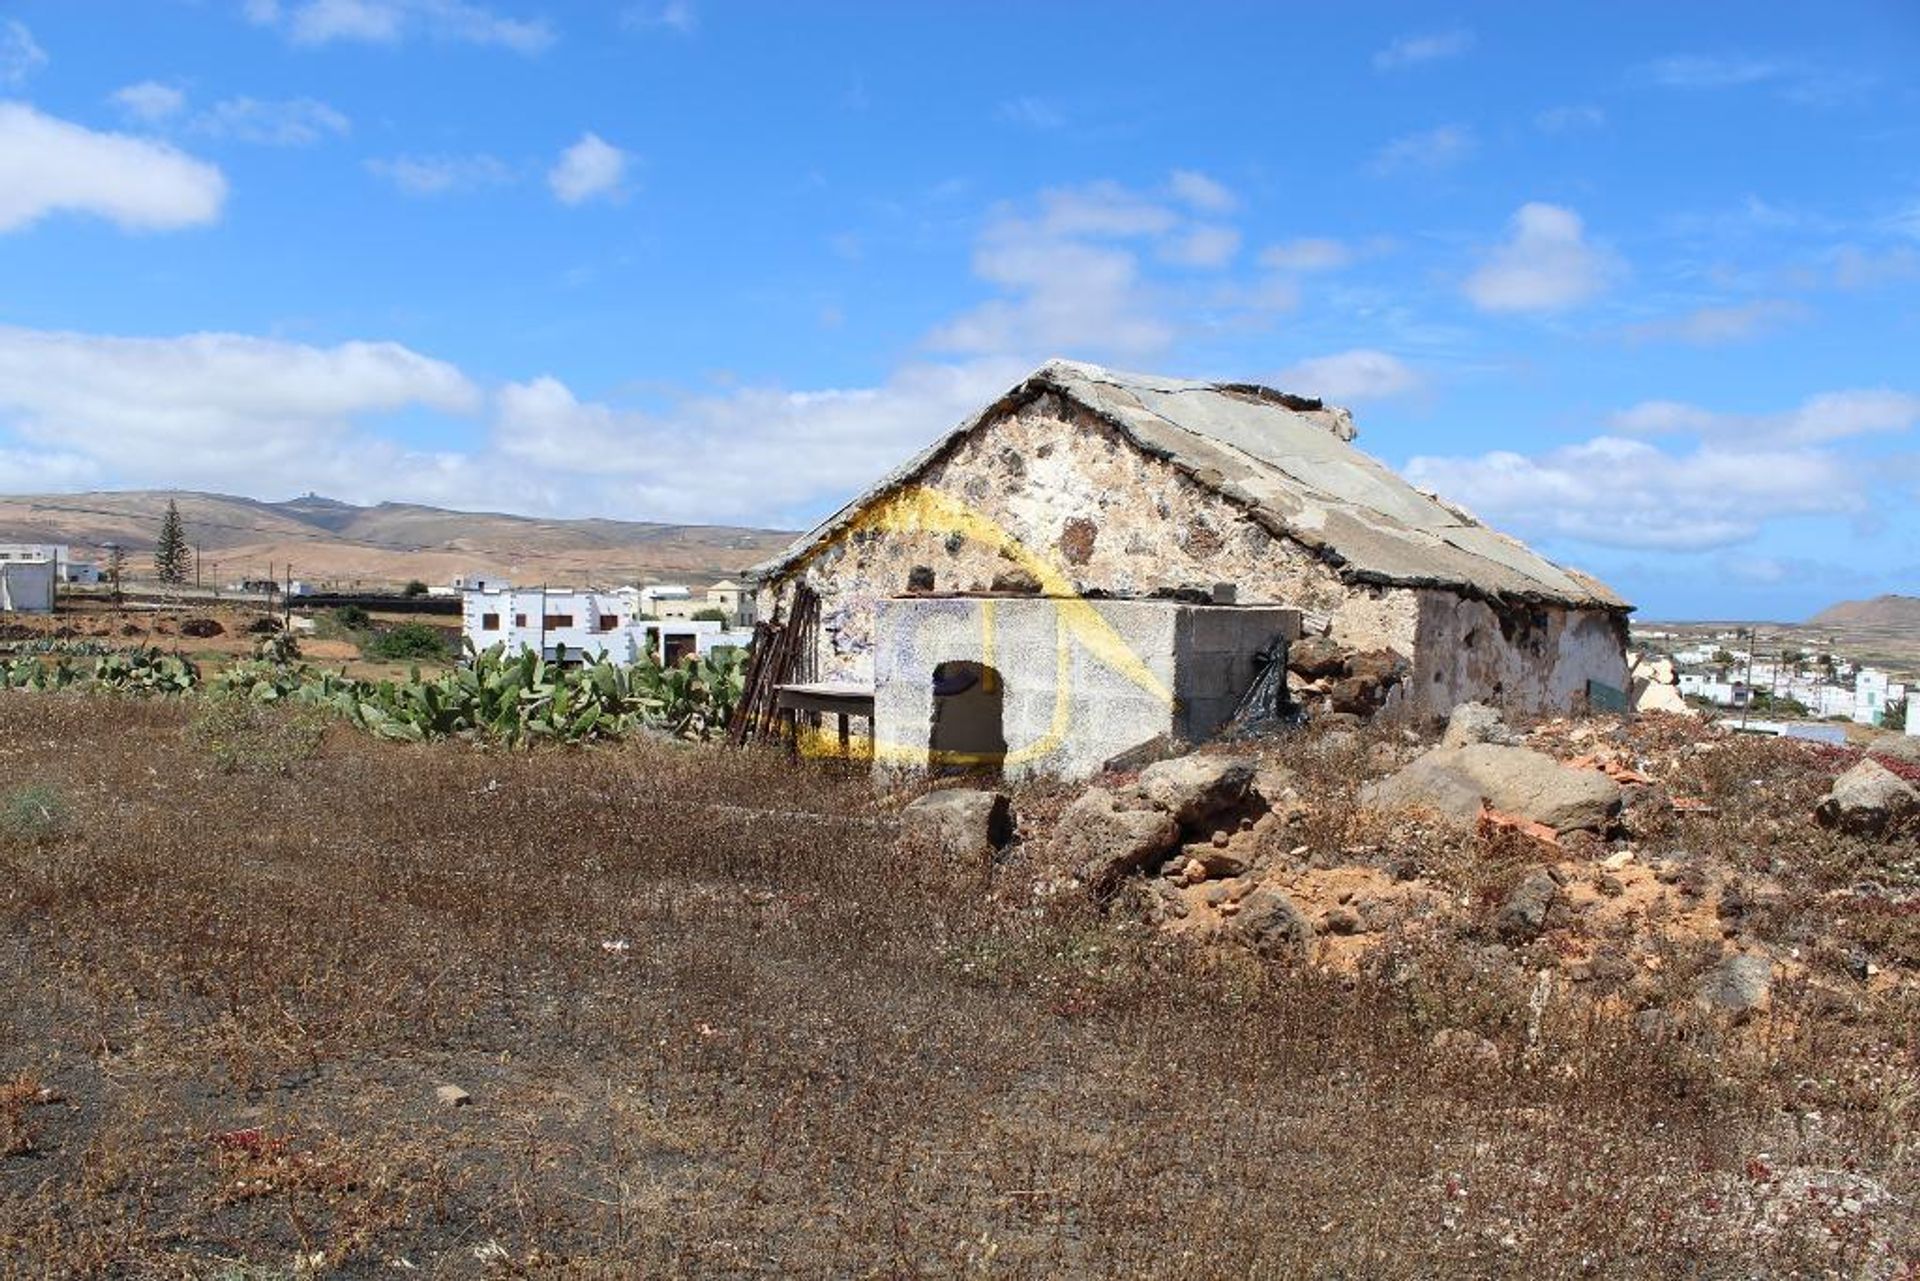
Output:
(1287, 464)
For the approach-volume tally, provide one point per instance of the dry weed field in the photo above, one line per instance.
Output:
(712, 1019)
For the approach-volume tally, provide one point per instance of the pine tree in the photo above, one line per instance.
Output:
(172, 558)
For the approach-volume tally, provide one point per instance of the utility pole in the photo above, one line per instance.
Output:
(286, 601)
(196, 566)
(1752, 642)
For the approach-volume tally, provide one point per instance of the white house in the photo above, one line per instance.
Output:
(480, 580)
(587, 624)
(1870, 696)
(66, 568)
(27, 586)
(1719, 693)
(675, 601)
(1913, 717)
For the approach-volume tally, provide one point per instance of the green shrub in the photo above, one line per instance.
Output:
(352, 618)
(407, 641)
(414, 588)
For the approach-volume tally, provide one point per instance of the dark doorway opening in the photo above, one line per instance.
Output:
(969, 724)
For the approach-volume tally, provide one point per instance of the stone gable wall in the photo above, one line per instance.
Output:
(1102, 517)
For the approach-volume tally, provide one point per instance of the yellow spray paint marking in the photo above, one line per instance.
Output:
(916, 509)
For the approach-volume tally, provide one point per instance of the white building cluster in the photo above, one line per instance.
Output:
(1829, 689)
(622, 625)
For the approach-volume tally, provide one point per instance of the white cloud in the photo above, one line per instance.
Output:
(1796, 79)
(1693, 71)
(1821, 419)
(715, 456)
(1410, 51)
(1104, 209)
(675, 15)
(1070, 276)
(1067, 297)
(30, 471)
(1361, 374)
(1198, 191)
(150, 102)
(437, 175)
(214, 409)
(1711, 326)
(1310, 253)
(319, 22)
(1031, 113)
(1617, 492)
(1428, 150)
(1857, 268)
(1724, 477)
(1664, 417)
(1205, 245)
(258, 416)
(1545, 265)
(49, 165)
(295, 122)
(1570, 119)
(590, 168)
(20, 55)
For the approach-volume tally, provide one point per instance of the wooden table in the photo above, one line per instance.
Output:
(823, 698)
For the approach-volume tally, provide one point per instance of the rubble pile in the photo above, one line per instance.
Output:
(1641, 861)
(1325, 677)
(1654, 686)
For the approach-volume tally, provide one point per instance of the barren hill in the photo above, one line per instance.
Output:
(1881, 611)
(331, 542)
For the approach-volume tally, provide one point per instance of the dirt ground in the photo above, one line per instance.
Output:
(703, 1014)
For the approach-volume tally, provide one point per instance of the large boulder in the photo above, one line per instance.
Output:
(1105, 842)
(1317, 657)
(1195, 789)
(1272, 925)
(1513, 780)
(1869, 800)
(963, 823)
(1472, 723)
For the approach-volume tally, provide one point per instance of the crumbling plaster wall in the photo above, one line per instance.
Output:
(1524, 658)
(1113, 520)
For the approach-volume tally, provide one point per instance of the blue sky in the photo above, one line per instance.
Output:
(1639, 285)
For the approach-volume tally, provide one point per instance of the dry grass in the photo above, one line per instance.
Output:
(714, 1022)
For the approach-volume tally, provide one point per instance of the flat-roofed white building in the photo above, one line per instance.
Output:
(588, 624)
(27, 586)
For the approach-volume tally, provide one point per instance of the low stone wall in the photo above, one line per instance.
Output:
(1057, 686)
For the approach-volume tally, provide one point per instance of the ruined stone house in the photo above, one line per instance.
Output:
(1081, 481)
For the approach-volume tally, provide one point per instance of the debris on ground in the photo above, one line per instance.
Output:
(1652, 861)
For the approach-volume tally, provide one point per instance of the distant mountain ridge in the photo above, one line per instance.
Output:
(1881, 611)
(329, 541)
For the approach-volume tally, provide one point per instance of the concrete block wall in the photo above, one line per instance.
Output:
(1082, 681)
